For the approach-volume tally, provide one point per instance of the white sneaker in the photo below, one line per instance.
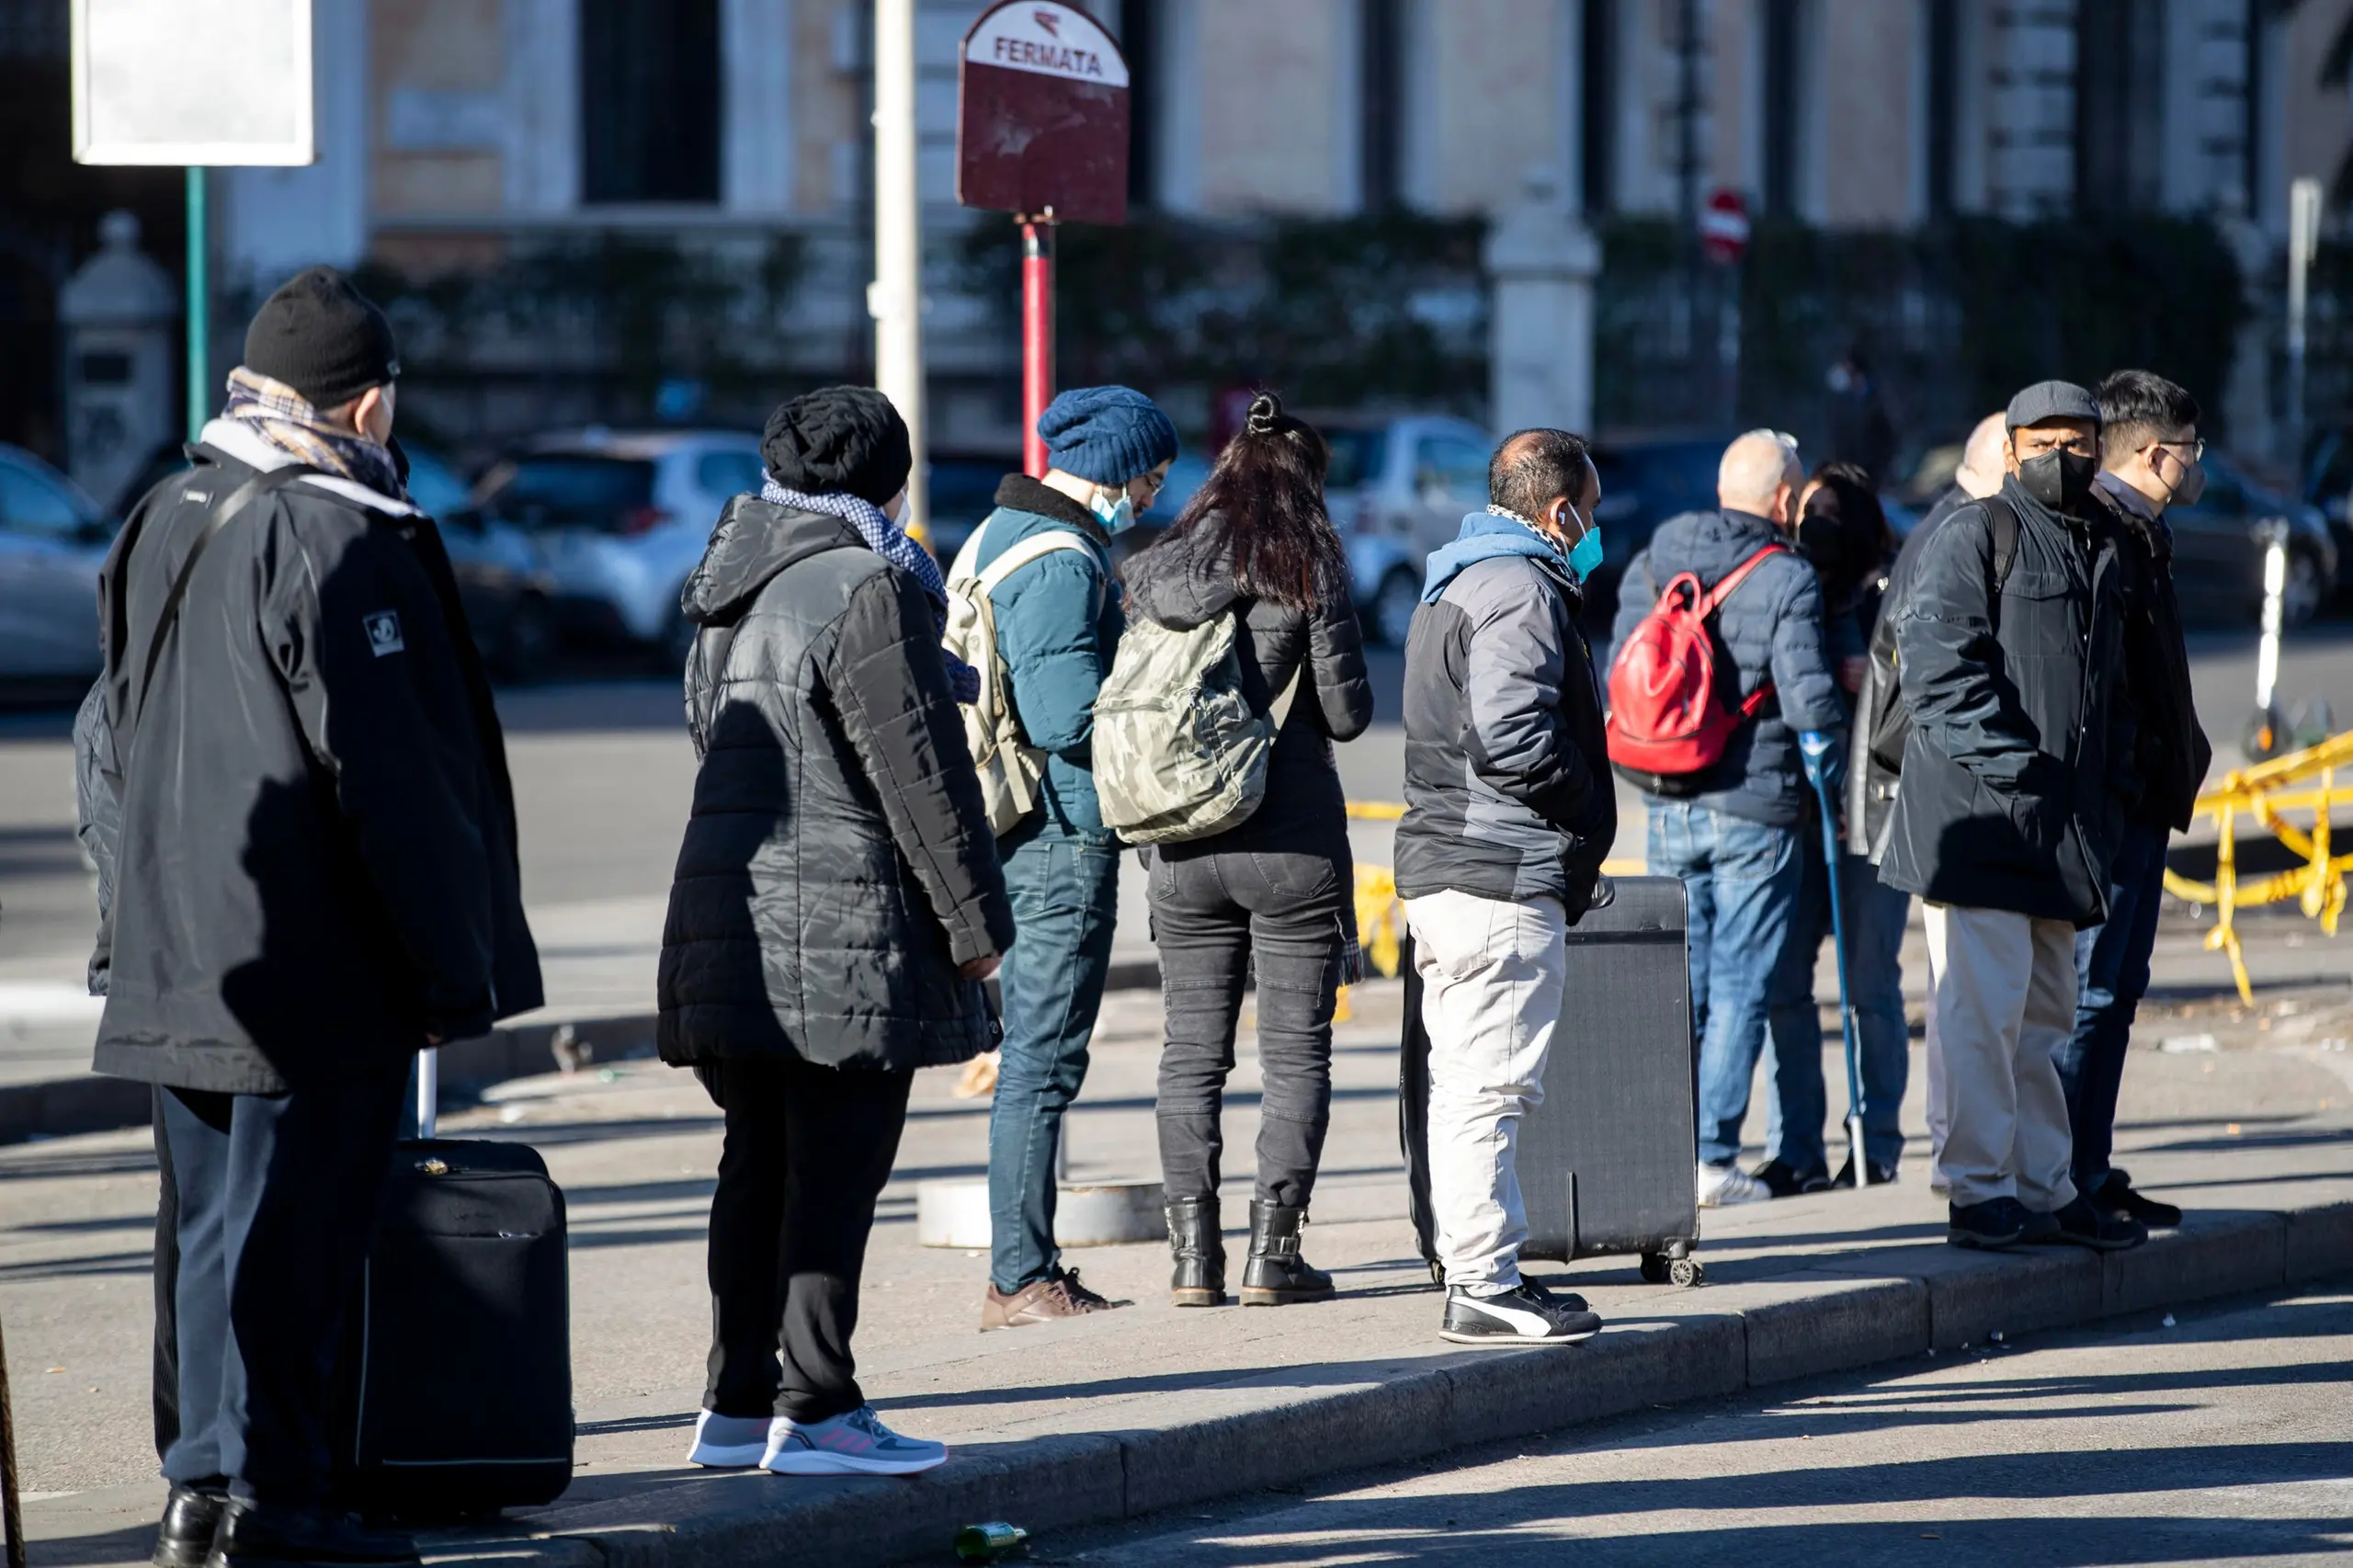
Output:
(729, 1442)
(1723, 1184)
(854, 1444)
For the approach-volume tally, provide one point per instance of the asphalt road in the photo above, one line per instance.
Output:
(2215, 1436)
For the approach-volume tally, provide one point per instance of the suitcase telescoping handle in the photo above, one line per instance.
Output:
(428, 1092)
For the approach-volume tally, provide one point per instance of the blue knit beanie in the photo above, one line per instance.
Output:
(1107, 434)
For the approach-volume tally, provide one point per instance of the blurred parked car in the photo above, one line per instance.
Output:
(508, 595)
(2218, 547)
(618, 519)
(53, 538)
(2328, 484)
(962, 491)
(1643, 482)
(1398, 488)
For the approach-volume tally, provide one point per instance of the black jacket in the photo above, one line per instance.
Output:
(1875, 754)
(2019, 766)
(1186, 580)
(1769, 630)
(97, 813)
(2170, 752)
(317, 859)
(1507, 787)
(838, 866)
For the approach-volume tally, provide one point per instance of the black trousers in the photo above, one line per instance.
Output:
(1217, 918)
(279, 1197)
(807, 1153)
(168, 1283)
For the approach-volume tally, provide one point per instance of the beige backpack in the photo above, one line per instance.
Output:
(1178, 754)
(1009, 766)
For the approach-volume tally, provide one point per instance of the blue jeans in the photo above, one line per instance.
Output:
(2112, 974)
(1874, 915)
(1064, 889)
(1740, 880)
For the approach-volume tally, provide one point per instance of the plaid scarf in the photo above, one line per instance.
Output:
(284, 418)
(887, 540)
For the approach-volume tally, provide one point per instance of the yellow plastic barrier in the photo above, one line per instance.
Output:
(2262, 792)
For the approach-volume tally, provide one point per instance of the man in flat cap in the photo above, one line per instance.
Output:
(2016, 776)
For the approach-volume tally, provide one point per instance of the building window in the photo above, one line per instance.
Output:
(1944, 106)
(1381, 103)
(1597, 106)
(2119, 104)
(1783, 98)
(649, 100)
(1139, 42)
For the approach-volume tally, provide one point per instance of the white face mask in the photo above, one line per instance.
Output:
(1119, 513)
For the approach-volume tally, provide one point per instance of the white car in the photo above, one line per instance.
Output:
(619, 518)
(1398, 489)
(53, 538)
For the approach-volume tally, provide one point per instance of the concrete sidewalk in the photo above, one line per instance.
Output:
(1149, 1408)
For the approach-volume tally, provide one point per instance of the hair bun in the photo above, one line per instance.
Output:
(1266, 414)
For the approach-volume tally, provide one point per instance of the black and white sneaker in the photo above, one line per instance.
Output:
(1525, 1314)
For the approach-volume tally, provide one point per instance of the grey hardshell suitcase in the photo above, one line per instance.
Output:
(1606, 1161)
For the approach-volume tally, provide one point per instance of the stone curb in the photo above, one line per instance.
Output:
(1846, 1313)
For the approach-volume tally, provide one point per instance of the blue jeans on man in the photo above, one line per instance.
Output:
(1064, 886)
(2112, 976)
(1740, 884)
(1874, 915)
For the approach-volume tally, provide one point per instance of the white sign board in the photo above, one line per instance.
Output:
(1050, 39)
(215, 83)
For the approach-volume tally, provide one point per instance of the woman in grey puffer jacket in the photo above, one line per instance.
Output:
(1273, 896)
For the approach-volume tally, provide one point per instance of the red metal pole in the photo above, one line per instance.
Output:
(1037, 336)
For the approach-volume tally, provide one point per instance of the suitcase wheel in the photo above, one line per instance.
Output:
(1686, 1272)
(1655, 1268)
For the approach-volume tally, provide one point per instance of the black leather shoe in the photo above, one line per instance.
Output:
(2116, 1196)
(1276, 1275)
(257, 1533)
(1199, 1279)
(1879, 1173)
(2081, 1225)
(191, 1517)
(1995, 1223)
(1783, 1181)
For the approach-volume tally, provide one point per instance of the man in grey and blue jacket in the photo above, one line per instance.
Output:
(1058, 625)
(1734, 832)
(1508, 812)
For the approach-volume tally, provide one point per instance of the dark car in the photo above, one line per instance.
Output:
(2218, 547)
(2328, 484)
(1643, 482)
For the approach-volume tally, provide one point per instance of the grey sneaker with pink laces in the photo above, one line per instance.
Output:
(852, 1443)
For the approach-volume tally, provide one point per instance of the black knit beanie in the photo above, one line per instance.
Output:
(322, 337)
(839, 440)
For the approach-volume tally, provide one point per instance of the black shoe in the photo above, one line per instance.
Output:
(1785, 1182)
(1526, 1315)
(1199, 1276)
(1997, 1223)
(2116, 1196)
(2080, 1225)
(1879, 1173)
(191, 1518)
(1276, 1275)
(260, 1533)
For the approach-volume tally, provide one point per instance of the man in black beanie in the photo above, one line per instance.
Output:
(315, 875)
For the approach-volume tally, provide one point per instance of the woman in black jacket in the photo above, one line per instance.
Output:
(836, 904)
(1275, 896)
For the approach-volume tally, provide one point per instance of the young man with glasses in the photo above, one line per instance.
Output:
(2149, 455)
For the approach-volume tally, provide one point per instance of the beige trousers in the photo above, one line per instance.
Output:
(1492, 977)
(2002, 1002)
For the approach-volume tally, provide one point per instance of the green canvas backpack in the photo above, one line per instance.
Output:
(1178, 753)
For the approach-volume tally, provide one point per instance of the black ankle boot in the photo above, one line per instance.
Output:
(1193, 1236)
(1276, 1275)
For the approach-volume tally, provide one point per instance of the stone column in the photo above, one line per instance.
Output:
(117, 310)
(1543, 261)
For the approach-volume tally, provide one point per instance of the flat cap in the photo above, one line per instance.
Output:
(2052, 400)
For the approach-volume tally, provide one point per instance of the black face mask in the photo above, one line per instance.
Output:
(2060, 480)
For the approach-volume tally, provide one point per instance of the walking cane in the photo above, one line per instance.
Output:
(12, 1513)
(1813, 746)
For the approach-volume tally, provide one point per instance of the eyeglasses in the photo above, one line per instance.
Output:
(2196, 447)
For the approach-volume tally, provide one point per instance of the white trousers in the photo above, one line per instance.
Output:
(2002, 1002)
(1493, 975)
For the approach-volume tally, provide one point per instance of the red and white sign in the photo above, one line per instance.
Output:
(1042, 115)
(1724, 225)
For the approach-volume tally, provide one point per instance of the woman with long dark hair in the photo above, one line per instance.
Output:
(1273, 896)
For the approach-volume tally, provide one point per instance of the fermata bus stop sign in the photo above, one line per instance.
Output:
(1042, 115)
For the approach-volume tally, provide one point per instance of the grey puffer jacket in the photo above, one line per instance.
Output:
(1186, 580)
(1508, 789)
(1771, 628)
(837, 867)
(2019, 763)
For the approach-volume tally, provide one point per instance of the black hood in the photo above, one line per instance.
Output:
(754, 541)
(1183, 579)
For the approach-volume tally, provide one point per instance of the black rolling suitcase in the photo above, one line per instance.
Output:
(455, 1389)
(1606, 1162)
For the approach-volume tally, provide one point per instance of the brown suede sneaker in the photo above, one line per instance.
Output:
(1060, 1297)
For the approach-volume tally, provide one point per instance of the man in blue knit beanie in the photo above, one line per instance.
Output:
(1058, 624)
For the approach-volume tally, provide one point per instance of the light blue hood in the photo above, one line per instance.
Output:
(1484, 536)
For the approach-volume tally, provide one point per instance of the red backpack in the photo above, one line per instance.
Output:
(1664, 716)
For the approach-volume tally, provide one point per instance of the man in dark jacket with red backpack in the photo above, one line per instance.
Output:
(1733, 830)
